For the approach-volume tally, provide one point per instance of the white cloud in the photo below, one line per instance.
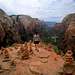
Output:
(43, 9)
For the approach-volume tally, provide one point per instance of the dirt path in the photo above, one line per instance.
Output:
(41, 63)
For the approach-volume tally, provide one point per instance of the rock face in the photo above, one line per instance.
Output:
(25, 25)
(69, 38)
(17, 28)
(8, 32)
(5, 25)
(21, 20)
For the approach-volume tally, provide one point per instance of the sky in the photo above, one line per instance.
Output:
(47, 10)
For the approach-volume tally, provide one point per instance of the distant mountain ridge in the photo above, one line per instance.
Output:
(50, 24)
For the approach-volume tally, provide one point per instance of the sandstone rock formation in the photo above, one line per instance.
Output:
(25, 25)
(5, 25)
(17, 28)
(69, 22)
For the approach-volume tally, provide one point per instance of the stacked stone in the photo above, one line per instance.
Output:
(5, 54)
(50, 47)
(30, 47)
(68, 67)
(23, 52)
(68, 57)
(4, 61)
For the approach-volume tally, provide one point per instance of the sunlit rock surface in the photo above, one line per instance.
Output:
(43, 62)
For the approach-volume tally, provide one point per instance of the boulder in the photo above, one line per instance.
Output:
(69, 35)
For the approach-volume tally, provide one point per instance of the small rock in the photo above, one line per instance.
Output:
(6, 66)
(34, 68)
(44, 60)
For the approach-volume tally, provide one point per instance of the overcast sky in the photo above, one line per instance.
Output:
(49, 10)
